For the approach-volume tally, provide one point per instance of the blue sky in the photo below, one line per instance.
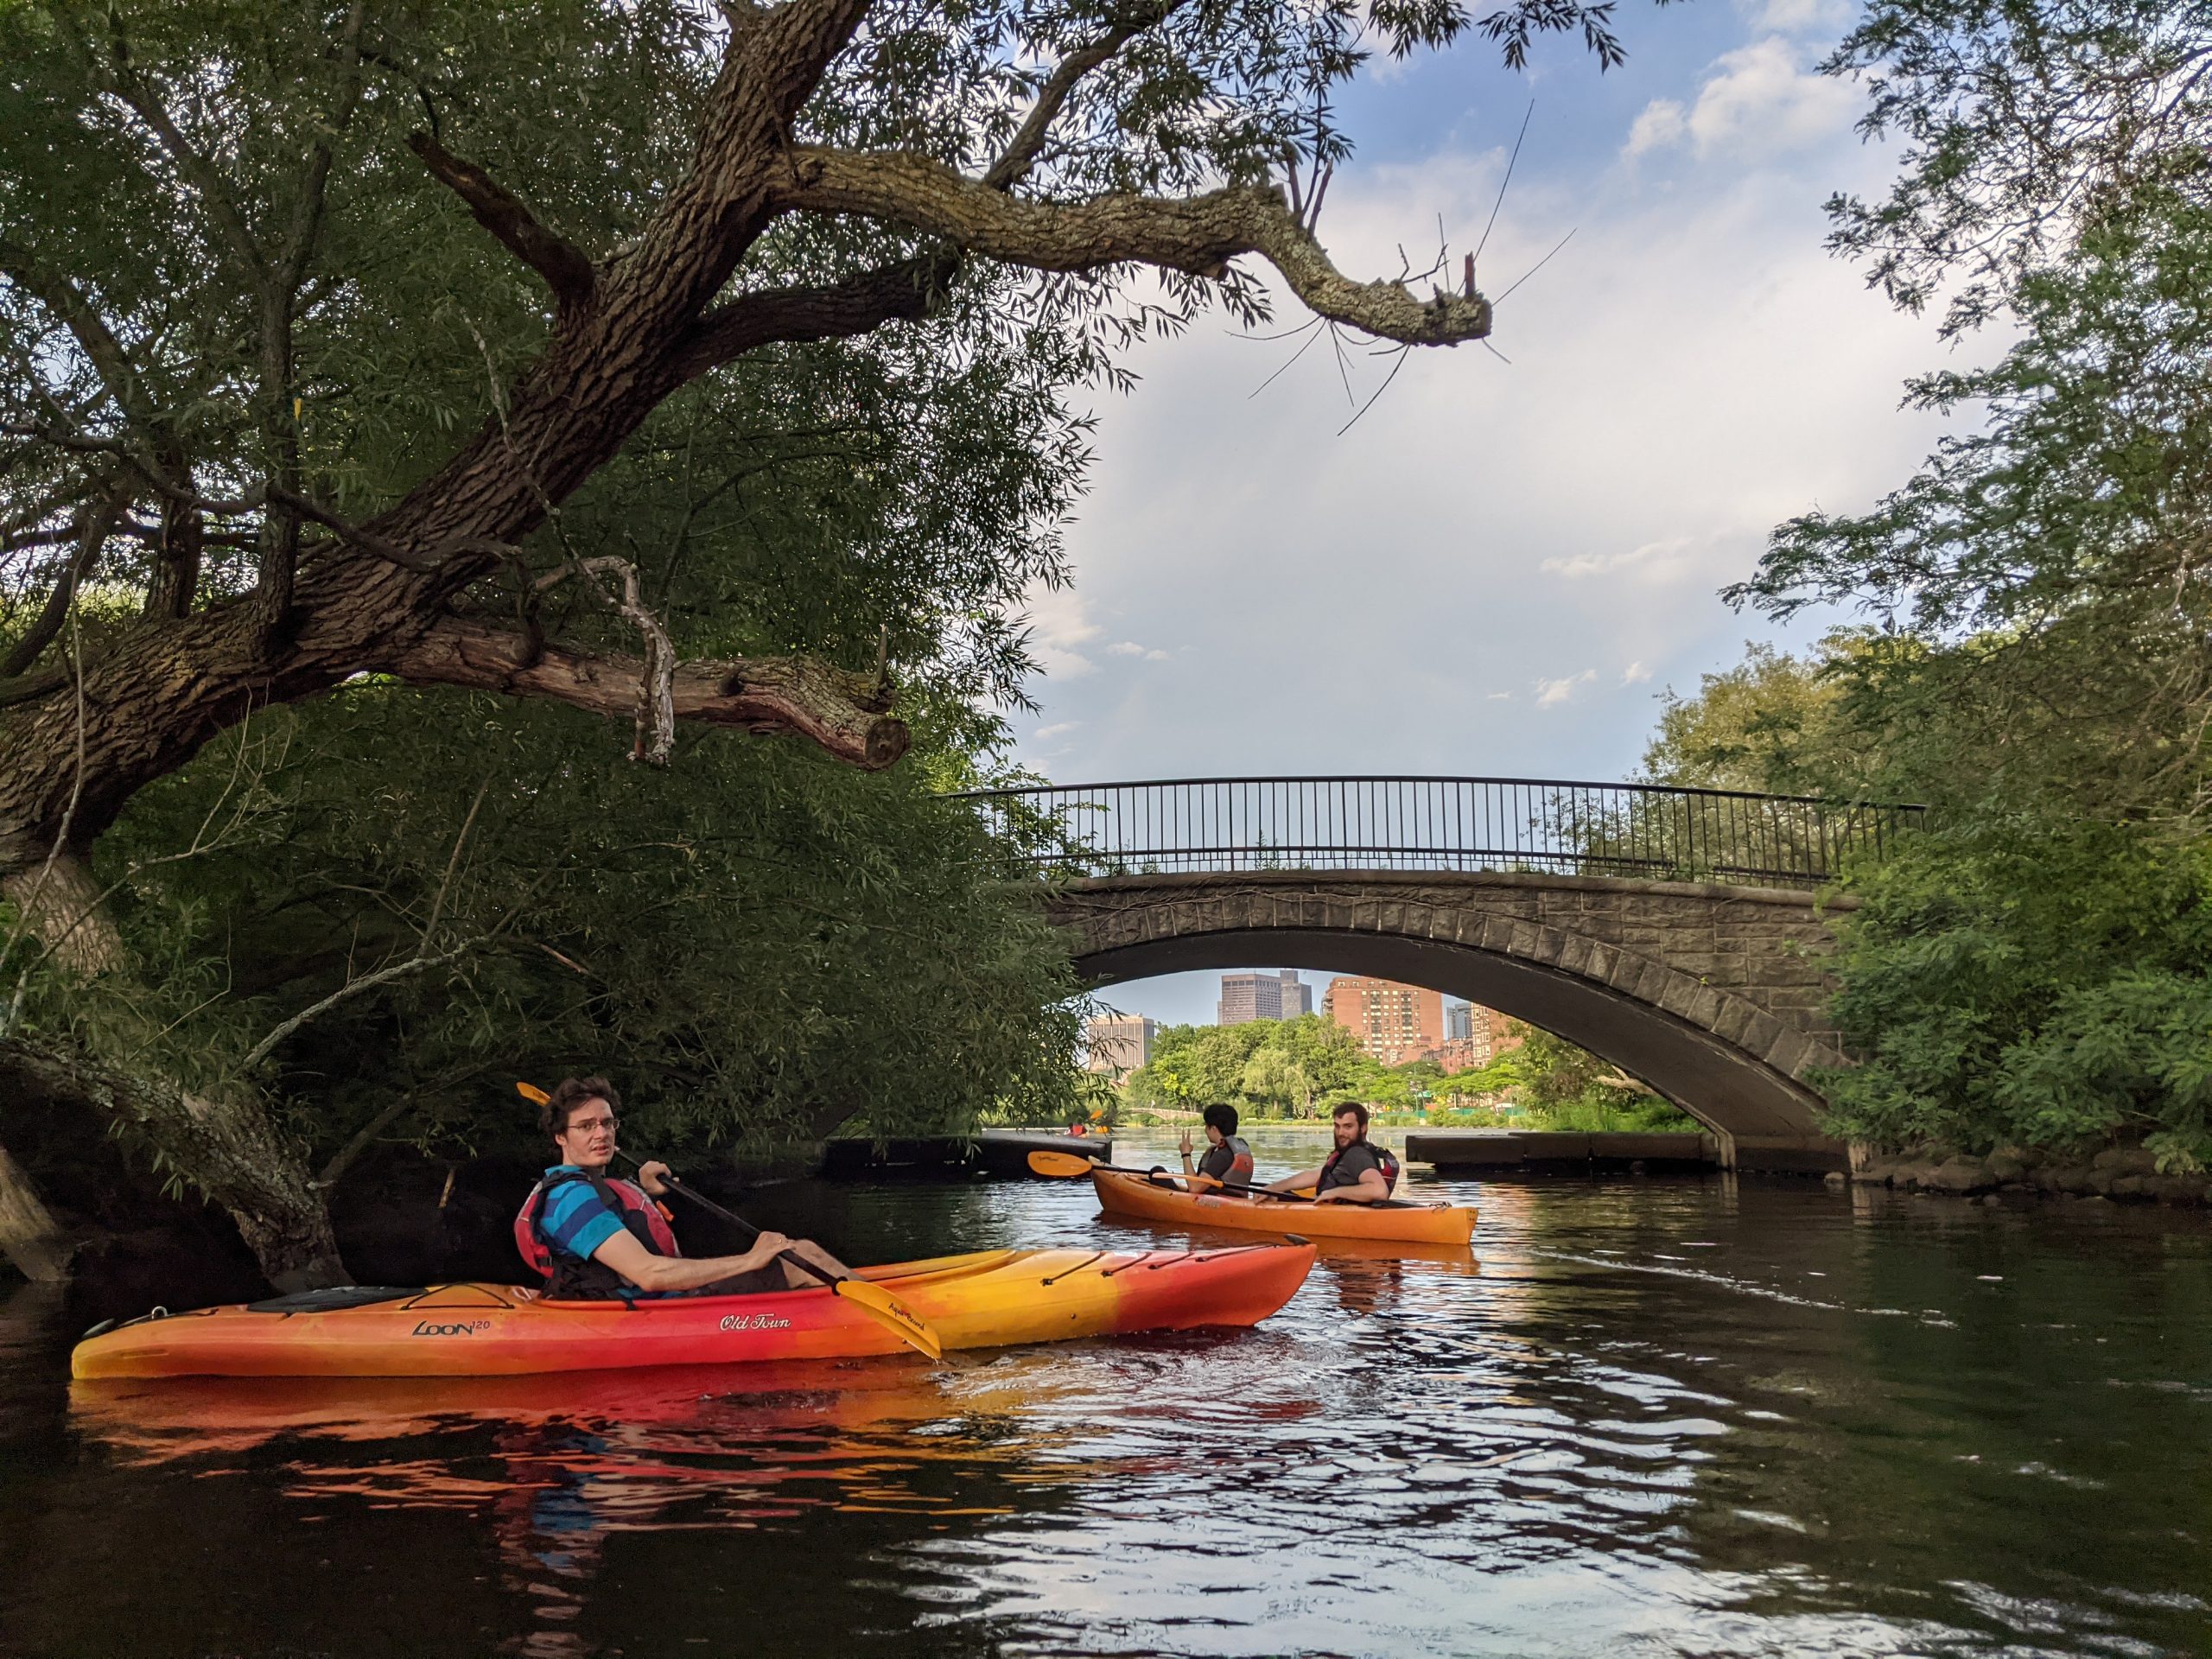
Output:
(1502, 565)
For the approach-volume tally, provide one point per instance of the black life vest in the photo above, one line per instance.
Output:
(1384, 1156)
(569, 1279)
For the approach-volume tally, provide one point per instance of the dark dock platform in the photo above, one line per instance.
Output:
(1501, 1152)
(987, 1152)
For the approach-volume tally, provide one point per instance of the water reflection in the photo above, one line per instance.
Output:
(1657, 1417)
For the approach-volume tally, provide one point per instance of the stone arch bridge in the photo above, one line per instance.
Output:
(1676, 933)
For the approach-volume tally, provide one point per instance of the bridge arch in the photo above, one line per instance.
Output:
(1711, 994)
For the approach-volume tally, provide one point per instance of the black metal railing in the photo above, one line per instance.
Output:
(1441, 823)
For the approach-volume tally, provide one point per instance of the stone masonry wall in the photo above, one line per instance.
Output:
(1743, 963)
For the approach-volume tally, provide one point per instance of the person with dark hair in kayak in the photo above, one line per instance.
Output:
(1358, 1171)
(1227, 1157)
(594, 1238)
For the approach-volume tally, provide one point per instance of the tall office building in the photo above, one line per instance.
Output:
(1473, 1037)
(1262, 997)
(1394, 1023)
(1118, 1044)
(1458, 1021)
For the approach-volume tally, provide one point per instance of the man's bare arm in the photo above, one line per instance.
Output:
(649, 1272)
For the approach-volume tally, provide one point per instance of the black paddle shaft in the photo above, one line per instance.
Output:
(735, 1220)
(1158, 1170)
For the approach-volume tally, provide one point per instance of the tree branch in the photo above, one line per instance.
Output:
(1197, 235)
(1021, 152)
(353, 988)
(567, 271)
(92, 527)
(843, 713)
(837, 312)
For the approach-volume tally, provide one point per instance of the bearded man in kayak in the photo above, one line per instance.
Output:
(595, 1238)
(1358, 1171)
(1227, 1157)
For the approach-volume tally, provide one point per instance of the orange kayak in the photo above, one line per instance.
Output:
(1143, 1199)
(989, 1300)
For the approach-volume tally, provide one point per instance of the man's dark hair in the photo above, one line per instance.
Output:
(553, 1115)
(1222, 1115)
(1355, 1109)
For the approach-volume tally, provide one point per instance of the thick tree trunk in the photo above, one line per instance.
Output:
(228, 1144)
(30, 1235)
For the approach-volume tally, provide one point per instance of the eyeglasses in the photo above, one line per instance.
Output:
(576, 1123)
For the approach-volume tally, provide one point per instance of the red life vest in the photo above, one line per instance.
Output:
(1384, 1156)
(570, 1279)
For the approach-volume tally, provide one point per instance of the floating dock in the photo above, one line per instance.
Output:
(987, 1152)
(1500, 1152)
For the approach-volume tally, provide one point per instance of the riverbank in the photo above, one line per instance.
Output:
(2123, 1172)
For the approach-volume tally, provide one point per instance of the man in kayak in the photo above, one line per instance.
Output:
(594, 1237)
(1358, 1171)
(1227, 1157)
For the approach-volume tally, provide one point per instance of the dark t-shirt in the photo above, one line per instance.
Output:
(1356, 1160)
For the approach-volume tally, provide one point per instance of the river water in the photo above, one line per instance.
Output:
(1658, 1417)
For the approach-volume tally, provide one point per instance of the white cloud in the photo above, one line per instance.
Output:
(1653, 561)
(1757, 100)
(1663, 122)
(1356, 603)
(1636, 673)
(1058, 729)
(1130, 648)
(1824, 17)
(1551, 693)
(1059, 626)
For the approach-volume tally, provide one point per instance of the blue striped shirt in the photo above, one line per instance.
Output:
(572, 1218)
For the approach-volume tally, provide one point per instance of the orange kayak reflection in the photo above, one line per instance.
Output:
(991, 1298)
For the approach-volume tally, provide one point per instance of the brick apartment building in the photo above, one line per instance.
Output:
(1394, 1023)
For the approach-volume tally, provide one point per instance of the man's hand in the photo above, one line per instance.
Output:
(766, 1249)
(1184, 1146)
(649, 1176)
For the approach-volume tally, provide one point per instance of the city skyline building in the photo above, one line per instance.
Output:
(1118, 1044)
(1246, 997)
(1393, 1023)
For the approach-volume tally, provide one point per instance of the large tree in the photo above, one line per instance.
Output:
(327, 325)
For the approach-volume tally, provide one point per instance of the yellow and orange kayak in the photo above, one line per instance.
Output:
(1141, 1198)
(985, 1300)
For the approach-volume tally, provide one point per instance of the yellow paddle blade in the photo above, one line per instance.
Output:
(889, 1311)
(532, 1093)
(1059, 1163)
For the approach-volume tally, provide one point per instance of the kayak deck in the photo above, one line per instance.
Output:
(1141, 1198)
(989, 1299)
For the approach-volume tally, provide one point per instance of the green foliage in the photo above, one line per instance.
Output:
(1306, 1067)
(1558, 1085)
(2034, 969)
(1769, 725)
(754, 942)
(2032, 981)
(2014, 124)
(2037, 582)
(1295, 1067)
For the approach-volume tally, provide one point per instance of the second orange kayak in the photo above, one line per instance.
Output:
(1142, 1199)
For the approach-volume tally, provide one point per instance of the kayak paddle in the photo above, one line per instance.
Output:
(1074, 1164)
(870, 1298)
